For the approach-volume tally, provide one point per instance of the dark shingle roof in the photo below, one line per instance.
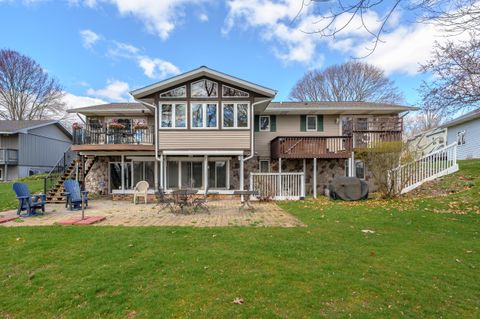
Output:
(331, 104)
(110, 107)
(7, 126)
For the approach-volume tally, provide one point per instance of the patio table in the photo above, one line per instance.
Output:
(245, 202)
(183, 198)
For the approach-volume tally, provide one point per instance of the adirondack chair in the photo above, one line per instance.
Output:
(74, 194)
(27, 202)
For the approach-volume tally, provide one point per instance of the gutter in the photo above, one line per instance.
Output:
(252, 128)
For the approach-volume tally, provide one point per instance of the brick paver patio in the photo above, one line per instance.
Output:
(222, 213)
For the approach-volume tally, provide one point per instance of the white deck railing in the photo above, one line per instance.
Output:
(429, 167)
(289, 186)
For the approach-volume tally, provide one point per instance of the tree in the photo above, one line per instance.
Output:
(453, 16)
(425, 119)
(27, 92)
(456, 71)
(351, 81)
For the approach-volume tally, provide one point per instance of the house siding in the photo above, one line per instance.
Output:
(289, 125)
(471, 148)
(203, 139)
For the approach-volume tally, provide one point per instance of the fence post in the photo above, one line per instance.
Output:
(302, 186)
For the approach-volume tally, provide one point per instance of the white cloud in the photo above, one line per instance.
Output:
(74, 101)
(154, 68)
(203, 17)
(114, 91)
(159, 16)
(89, 38)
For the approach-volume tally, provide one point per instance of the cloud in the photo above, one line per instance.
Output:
(74, 101)
(154, 68)
(89, 38)
(160, 17)
(203, 17)
(114, 91)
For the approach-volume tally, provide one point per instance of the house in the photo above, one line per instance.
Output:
(205, 129)
(465, 132)
(31, 147)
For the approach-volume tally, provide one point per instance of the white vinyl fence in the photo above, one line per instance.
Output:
(411, 175)
(281, 186)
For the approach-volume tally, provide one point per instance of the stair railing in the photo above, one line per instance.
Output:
(58, 169)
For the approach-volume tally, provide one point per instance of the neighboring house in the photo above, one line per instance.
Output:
(31, 147)
(427, 142)
(206, 129)
(465, 131)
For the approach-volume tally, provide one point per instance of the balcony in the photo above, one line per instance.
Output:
(108, 138)
(8, 156)
(367, 132)
(311, 147)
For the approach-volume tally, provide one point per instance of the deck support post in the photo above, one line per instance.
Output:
(351, 167)
(205, 173)
(155, 178)
(5, 174)
(240, 158)
(314, 177)
(123, 172)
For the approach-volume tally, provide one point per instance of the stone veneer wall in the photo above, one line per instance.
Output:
(96, 182)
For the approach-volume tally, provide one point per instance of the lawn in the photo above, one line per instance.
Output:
(7, 195)
(421, 259)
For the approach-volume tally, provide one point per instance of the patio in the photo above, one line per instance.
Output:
(123, 213)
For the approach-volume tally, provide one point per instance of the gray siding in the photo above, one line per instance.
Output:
(40, 151)
(50, 131)
(471, 148)
(9, 141)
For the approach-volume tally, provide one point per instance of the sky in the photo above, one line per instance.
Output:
(99, 50)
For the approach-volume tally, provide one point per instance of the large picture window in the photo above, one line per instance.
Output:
(236, 115)
(204, 115)
(204, 88)
(173, 115)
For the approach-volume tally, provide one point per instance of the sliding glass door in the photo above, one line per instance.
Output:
(190, 174)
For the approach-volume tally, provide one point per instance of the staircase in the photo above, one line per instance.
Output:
(409, 176)
(55, 194)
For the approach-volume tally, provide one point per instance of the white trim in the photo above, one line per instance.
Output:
(316, 123)
(203, 152)
(204, 115)
(204, 97)
(174, 110)
(235, 115)
(260, 123)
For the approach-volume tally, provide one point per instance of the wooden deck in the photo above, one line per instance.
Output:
(311, 147)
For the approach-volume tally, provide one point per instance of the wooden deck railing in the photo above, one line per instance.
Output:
(311, 147)
(100, 135)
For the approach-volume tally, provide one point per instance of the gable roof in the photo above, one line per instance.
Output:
(464, 118)
(23, 126)
(335, 108)
(112, 108)
(199, 72)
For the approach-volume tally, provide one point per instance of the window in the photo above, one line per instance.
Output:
(173, 115)
(191, 174)
(362, 124)
(359, 168)
(264, 166)
(265, 123)
(217, 174)
(461, 138)
(144, 171)
(176, 92)
(228, 91)
(115, 175)
(236, 115)
(311, 123)
(204, 115)
(204, 88)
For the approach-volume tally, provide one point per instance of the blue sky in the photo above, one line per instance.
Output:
(101, 49)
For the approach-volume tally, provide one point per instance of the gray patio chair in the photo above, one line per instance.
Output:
(165, 201)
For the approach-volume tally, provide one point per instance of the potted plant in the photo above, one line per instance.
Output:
(76, 126)
(114, 125)
(140, 126)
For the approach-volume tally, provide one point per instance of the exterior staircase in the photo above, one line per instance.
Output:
(409, 176)
(55, 194)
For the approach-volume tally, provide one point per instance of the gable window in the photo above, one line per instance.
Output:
(204, 88)
(181, 91)
(265, 123)
(264, 166)
(173, 115)
(228, 91)
(311, 122)
(235, 115)
(204, 115)
(461, 138)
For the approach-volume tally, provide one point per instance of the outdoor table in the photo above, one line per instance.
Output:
(246, 204)
(183, 198)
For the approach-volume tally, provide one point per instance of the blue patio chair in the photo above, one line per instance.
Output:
(74, 194)
(27, 202)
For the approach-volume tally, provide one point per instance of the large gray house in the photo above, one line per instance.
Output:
(465, 131)
(31, 147)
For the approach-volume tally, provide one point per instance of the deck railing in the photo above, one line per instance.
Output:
(58, 170)
(311, 147)
(411, 175)
(101, 135)
(8, 156)
(281, 186)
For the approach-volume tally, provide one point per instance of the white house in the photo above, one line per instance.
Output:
(465, 131)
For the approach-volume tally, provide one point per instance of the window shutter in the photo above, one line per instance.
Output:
(256, 124)
(320, 123)
(273, 123)
(303, 123)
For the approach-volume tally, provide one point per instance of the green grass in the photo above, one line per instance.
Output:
(422, 261)
(7, 195)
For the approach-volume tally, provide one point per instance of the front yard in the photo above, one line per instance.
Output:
(416, 257)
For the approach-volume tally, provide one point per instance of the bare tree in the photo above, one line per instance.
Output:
(351, 81)
(27, 92)
(456, 71)
(454, 16)
(423, 120)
